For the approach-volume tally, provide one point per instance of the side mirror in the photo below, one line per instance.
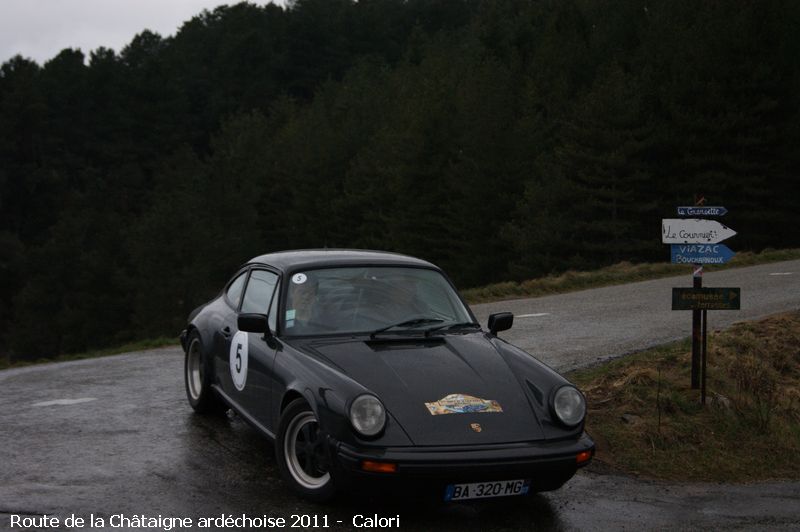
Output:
(254, 323)
(501, 321)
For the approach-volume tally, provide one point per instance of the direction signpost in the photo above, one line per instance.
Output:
(700, 253)
(697, 241)
(706, 298)
(694, 231)
(702, 210)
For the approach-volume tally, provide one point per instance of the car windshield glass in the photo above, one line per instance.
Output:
(368, 299)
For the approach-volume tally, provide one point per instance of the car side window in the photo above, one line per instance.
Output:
(234, 292)
(258, 294)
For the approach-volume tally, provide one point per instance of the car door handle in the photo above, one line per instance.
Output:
(226, 332)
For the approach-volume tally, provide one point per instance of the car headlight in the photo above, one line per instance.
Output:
(367, 415)
(569, 405)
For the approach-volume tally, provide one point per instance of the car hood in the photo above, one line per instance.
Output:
(442, 390)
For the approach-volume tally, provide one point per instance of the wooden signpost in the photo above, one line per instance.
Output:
(706, 298)
(697, 241)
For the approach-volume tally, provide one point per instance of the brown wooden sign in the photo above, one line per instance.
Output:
(706, 298)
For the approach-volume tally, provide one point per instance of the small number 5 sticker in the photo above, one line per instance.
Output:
(238, 360)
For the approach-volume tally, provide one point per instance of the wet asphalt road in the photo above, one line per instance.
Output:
(572, 330)
(116, 436)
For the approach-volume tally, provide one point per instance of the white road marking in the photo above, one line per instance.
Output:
(66, 401)
(533, 315)
(782, 273)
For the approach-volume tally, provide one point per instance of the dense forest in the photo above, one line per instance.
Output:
(500, 139)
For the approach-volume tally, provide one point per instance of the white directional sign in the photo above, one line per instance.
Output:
(693, 231)
(702, 210)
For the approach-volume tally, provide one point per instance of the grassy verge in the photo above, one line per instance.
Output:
(647, 421)
(133, 346)
(624, 272)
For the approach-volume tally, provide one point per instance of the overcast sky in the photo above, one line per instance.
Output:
(39, 29)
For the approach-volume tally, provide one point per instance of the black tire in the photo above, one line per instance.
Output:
(197, 376)
(301, 453)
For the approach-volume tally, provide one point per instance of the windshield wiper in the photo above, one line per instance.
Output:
(406, 323)
(453, 327)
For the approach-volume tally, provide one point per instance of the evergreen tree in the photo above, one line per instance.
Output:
(496, 138)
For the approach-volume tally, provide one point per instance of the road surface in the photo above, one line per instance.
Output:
(572, 330)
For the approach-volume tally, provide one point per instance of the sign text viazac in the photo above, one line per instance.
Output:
(700, 253)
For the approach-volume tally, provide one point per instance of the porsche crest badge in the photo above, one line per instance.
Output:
(476, 427)
(459, 403)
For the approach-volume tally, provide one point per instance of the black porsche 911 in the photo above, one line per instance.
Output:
(368, 366)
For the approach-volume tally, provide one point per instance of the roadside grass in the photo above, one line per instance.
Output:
(133, 346)
(647, 421)
(623, 272)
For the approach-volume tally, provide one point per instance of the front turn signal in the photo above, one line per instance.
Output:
(583, 457)
(378, 467)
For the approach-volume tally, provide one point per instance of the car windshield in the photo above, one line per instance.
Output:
(369, 300)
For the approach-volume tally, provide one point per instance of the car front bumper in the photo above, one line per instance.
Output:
(547, 464)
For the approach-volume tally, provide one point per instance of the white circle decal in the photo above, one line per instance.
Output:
(238, 358)
(299, 278)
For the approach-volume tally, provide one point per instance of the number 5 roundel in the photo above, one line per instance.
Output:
(238, 360)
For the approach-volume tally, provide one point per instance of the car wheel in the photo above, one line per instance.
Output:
(301, 454)
(197, 376)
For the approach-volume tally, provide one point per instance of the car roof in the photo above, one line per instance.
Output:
(321, 258)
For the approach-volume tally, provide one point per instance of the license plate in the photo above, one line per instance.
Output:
(482, 490)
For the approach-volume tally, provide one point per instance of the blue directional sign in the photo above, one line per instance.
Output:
(701, 253)
(702, 211)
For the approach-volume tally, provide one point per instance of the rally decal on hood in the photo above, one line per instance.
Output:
(457, 403)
